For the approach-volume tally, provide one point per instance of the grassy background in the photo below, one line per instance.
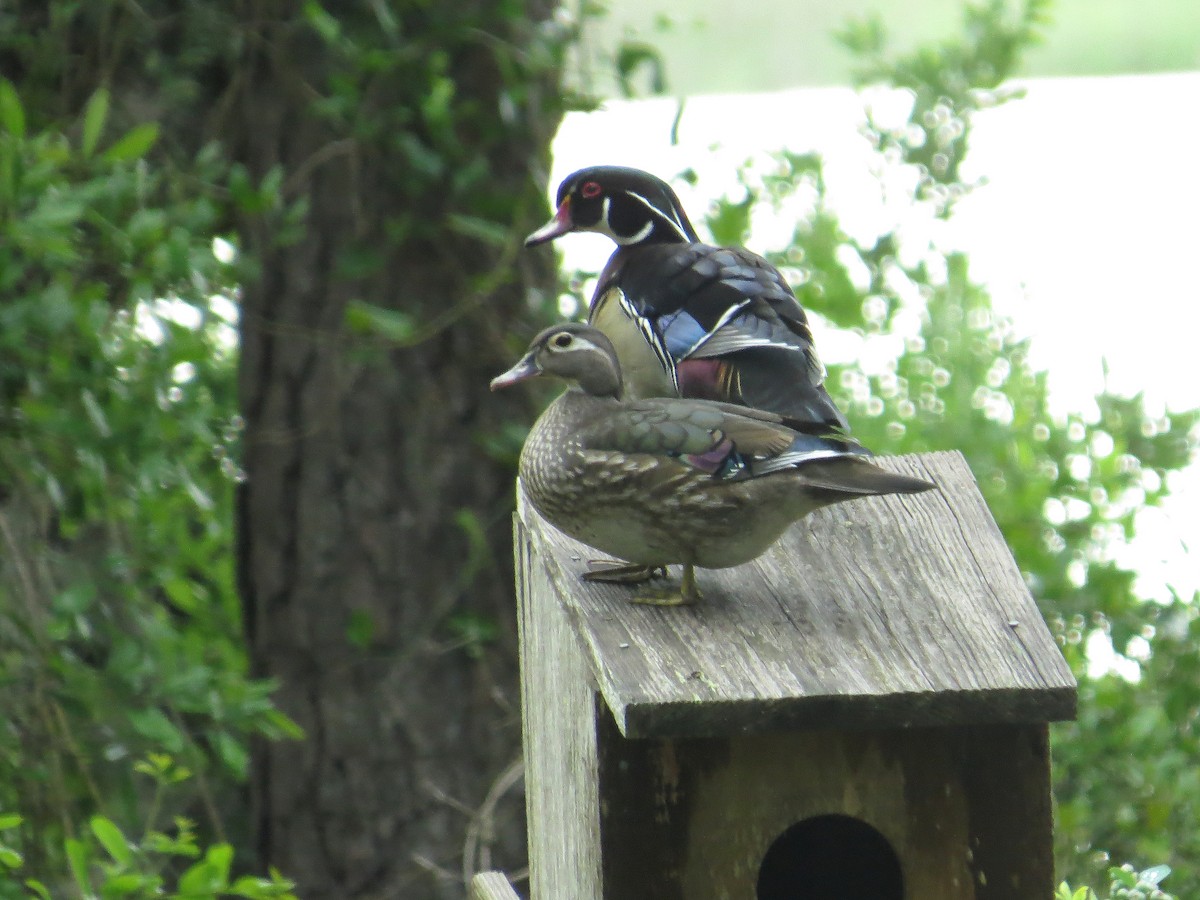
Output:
(709, 48)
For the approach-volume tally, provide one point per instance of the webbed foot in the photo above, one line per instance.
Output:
(685, 595)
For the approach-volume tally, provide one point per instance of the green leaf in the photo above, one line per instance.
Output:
(360, 629)
(252, 887)
(474, 631)
(864, 36)
(93, 121)
(182, 844)
(10, 858)
(10, 820)
(38, 888)
(634, 55)
(730, 222)
(359, 261)
(111, 838)
(1123, 877)
(57, 213)
(12, 113)
(326, 25)
(210, 875)
(279, 726)
(78, 858)
(233, 753)
(199, 881)
(427, 162)
(156, 765)
(220, 857)
(153, 724)
(392, 324)
(134, 145)
(182, 592)
(438, 101)
(478, 549)
(129, 883)
(472, 226)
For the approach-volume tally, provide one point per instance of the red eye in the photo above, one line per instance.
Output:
(590, 189)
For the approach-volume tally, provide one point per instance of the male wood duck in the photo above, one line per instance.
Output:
(688, 318)
(667, 480)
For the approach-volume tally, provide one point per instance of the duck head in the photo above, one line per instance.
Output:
(628, 205)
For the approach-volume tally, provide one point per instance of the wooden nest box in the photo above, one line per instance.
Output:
(861, 714)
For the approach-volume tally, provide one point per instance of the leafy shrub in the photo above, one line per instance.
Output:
(120, 627)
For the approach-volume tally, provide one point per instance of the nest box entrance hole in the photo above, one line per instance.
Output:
(830, 857)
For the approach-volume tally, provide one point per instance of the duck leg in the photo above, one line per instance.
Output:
(612, 571)
(685, 595)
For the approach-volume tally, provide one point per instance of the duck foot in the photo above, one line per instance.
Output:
(685, 595)
(612, 571)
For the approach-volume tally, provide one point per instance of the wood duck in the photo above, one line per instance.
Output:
(688, 318)
(667, 480)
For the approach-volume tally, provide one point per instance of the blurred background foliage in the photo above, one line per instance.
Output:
(773, 45)
(120, 626)
(127, 702)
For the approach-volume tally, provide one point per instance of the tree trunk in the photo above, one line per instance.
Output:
(374, 531)
(374, 527)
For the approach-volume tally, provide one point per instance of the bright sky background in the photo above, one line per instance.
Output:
(1087, 232)
(711, 45)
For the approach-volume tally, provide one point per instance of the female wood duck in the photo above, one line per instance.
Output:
(688, 318)
(667, 480)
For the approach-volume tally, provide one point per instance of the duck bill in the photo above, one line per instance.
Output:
(556, 227)
(524, 370)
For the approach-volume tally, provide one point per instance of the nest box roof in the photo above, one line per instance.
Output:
(882, 612)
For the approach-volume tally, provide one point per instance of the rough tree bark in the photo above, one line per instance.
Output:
(366, 472)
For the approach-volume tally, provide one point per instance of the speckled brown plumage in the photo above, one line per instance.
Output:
(661, 481)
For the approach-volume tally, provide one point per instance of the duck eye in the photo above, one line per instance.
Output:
(562, 339)
(590, 189)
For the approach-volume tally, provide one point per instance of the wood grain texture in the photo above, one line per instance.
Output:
(881, 612)
(965, 809)
(492, 886)
(559, 705)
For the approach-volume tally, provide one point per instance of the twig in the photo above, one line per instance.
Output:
(483, 823)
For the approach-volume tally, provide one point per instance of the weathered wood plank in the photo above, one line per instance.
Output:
(492, 886)
(559, 705)
(966, 810)
(885, 611)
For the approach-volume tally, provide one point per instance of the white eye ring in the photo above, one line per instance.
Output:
(562, 340)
